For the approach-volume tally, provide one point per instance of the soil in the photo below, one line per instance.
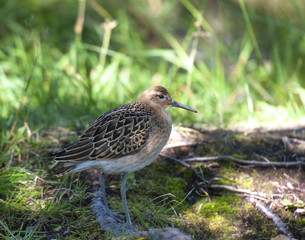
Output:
(281, 190)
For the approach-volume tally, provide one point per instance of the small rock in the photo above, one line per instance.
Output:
(299, 211)
(281, 237)
(167, 234)
(289, 185)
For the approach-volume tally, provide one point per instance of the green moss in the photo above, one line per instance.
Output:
(244, 180)
(223, 218)
(300, 223)
(258, 226)
(219, 205)
(295, 223)
(211, 218)
(188, 174)
(161, 178)
(175, 186)
(239, 156)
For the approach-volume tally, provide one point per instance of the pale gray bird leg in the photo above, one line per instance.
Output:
(123, 195)
(103, 189)
(117, 217)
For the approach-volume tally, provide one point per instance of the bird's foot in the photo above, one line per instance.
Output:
(115, 216)
(109, 220)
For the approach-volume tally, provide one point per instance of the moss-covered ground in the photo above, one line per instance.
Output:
(36, 204)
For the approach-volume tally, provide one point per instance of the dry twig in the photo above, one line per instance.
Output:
(244, 161)
(247, 191)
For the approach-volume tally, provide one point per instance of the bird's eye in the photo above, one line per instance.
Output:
(160, 96)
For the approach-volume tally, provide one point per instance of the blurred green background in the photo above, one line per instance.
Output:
(232, 60)
(65, 62)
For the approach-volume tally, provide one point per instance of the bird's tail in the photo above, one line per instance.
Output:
(63, 168)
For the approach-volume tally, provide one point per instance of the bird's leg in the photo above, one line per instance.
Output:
(123, 195)
(103, 189)
(117, 217)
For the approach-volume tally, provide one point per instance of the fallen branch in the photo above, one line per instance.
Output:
(109, 222)
(276, 220)
(245, 195)
(244, 161)
(247, 191)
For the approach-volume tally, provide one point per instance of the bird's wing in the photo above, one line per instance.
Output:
(117, 133)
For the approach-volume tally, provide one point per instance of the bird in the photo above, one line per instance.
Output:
(123, 140)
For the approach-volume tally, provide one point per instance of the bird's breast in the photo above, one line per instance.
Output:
(158, 137)
(160, 133)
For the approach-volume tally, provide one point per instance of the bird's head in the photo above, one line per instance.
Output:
(159, 97)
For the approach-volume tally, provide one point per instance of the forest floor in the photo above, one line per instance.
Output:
(261, 173)
(209, 183)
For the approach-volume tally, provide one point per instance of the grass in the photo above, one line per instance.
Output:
(47, 72)
(233, 61)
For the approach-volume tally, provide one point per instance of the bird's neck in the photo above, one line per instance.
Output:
(163, 116)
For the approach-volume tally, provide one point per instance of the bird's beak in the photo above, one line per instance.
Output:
(179, 105)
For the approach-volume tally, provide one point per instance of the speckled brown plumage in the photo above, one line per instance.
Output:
(117, 133)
